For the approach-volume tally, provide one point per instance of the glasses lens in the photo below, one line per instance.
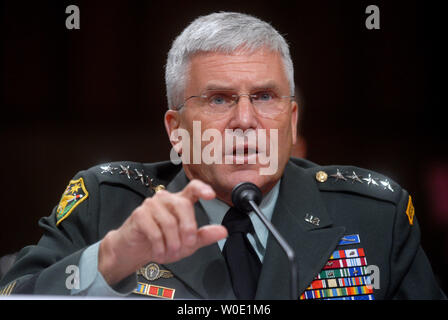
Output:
(269, 103)
(265, 102)
(215, 101)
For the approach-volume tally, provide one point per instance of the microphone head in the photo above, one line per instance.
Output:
(244, 192)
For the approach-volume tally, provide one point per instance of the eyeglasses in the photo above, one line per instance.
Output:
(266, 102)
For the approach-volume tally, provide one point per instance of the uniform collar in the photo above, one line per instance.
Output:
(216, 210)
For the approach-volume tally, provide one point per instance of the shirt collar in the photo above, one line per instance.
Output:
(216, 210)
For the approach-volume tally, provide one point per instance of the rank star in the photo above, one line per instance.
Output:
(386, 185)
(139, 176)
(108, 169)
(355, 177)
(338, 175)
(370, 180)
(125, 170)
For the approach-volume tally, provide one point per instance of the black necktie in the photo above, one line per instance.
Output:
(242, 260)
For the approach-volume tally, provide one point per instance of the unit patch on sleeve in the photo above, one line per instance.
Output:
(74, 194)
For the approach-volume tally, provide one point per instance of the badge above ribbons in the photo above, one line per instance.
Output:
(74, 194)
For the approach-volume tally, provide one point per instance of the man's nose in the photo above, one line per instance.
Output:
(244, 115)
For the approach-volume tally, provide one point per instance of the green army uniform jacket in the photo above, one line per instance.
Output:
(343, 223)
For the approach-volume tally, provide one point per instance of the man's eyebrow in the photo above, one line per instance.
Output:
(267, 85)
(270, 84)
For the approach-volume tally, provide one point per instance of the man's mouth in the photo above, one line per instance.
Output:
(242, 154)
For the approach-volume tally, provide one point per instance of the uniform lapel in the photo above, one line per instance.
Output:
(312, 243)
(204, 271)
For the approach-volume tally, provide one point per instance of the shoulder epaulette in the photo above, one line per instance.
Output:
(356, 180)
(131, 174)
(138, 176)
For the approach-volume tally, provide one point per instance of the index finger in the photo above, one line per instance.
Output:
(196, 189)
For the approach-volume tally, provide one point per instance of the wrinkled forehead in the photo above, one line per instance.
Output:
(220, 70)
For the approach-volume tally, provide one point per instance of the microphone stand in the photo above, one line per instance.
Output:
(283, 244)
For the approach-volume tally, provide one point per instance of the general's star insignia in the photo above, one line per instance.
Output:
(133, 173)
(125, 170)
(108, 169)
(370, 180)
(338, 175)
(386, 185)
(139, 176)
(354, 177)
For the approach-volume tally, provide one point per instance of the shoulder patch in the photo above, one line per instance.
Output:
(356, 180)
(74, 194)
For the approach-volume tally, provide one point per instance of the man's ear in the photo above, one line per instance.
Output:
(294, 119)
(172, 122)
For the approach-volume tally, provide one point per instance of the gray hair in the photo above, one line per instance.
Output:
(220, 32)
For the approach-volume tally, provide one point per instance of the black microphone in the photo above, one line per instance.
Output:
(246, 197)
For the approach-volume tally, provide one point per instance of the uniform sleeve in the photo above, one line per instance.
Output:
(411, 273)
(45, 267)
(91, 281)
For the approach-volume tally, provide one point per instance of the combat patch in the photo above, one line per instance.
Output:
(74, 194)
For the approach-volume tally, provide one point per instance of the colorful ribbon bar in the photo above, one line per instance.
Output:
(360, 297)
(340, 282)
(344, 263)
(349, 253)
(154, 291)
(337, 292)
(340, 273)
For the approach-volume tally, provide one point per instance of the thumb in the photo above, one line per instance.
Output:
(210, 234)
(196, 189)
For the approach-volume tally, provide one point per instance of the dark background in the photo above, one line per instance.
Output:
(71, 99)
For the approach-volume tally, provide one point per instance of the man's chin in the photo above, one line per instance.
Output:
(223, 178)
(242, 173)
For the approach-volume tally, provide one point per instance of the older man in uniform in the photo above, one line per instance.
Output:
(171, 231)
